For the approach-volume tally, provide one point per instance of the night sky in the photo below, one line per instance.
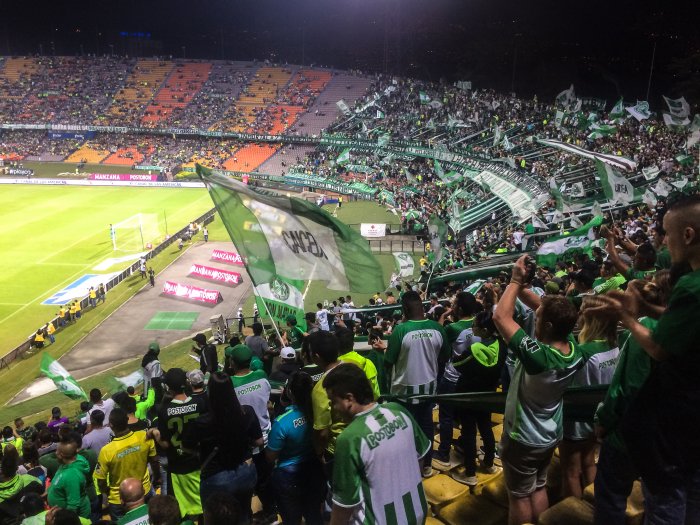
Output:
(604, 48)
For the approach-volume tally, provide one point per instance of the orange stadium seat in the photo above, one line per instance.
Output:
(179, 89)
(87, 154)
(125, 157)
(249, 157)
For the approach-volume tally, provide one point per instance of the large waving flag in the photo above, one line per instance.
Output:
(564, 247)
(616, 187)
(291, 238)
(61, 378)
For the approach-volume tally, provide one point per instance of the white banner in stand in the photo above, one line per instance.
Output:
(372, 230)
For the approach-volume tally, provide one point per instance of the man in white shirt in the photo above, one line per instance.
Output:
(103, 405)
(322, 317)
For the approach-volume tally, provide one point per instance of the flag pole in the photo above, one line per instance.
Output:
(274, 325)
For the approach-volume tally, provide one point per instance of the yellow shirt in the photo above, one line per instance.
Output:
(78, 307)
(50, 328)
(324, 417)
(367, 367)
(72, 309)
(93, 294)
(125, 457)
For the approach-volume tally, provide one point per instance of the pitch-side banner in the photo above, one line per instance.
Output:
(227, 257)
(372, 230)
(193, 293)
(123, 176)
(215, 274)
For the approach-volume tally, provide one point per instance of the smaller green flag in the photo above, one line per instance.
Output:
(62, 379)
(424, 99)
(344, 157)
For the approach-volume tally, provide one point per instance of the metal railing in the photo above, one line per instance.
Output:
(23, 348)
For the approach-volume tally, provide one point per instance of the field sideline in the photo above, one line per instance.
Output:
(56, 234)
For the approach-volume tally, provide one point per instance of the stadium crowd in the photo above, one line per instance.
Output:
(313, 427)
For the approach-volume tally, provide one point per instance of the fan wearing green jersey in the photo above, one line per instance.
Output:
(417, 351)
(545, 367)
(377, 477)
(598, 341)
(661, 426)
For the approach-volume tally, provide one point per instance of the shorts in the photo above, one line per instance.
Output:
(524, 467)
(185, 488)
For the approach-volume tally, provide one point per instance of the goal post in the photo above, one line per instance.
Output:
(137, 232)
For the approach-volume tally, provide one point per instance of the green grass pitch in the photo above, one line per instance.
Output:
(172, 321)
(53, 235)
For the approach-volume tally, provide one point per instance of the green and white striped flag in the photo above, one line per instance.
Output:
(564, 247)
(438, 169)
(438, 235)
(649, 198)
(615, 187)
(684, 160)
(640, 111)
(292, 239)
(424, 98)
(506, 144)
(674, 122)
(380, 114)
(598, 131)
(566, 98)
(344, 157)
(651, 172)
(61, 378)
(679, 108)
(281, 298)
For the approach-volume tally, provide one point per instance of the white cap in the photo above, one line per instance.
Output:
(288, 352)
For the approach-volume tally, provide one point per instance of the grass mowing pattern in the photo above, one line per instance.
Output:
(55, 234)
(172, 321)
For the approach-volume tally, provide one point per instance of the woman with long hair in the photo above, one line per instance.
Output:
(297, 479)
(598, 342)
(225, 437)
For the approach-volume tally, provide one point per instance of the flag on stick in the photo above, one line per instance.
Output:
(61, 378)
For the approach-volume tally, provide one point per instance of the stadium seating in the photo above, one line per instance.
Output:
(131, 101)
(183, 84)
(125, 156)
(249, 157)
(87, 154)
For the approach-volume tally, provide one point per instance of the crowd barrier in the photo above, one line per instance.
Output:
(24, 347)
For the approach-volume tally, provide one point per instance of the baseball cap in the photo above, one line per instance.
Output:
(195, 377)
(291, 319)
(239, 353)
(154, 347)
(551, 287)
(175, 378)
(288, 353)
(200, 339)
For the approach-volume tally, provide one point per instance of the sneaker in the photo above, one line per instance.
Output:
(483, 451)
(464, 479)
(427, 471)
(493, 469)
(441, 462)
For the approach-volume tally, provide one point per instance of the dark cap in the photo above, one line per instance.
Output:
(154, 347)
(175, 379)
(291, 319)
(200, 339)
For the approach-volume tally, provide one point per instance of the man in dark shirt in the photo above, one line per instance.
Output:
(208, 359)
(174, 419)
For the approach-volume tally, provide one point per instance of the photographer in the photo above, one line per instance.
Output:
(545, 367)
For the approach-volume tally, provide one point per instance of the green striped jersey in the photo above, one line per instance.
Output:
(384, 439)
(533, 414)
(414, 350)
(253, 389)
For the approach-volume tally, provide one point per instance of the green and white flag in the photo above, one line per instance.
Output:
(558, 118)
(651, 172)
(61, 378)
(679, 108)
(564, 247)
(684, 160)
(506, 144)
(438, 169)
(380, 114)
(596, 209)
(577, 190)
(405, 264)
(383, 139)
(566, 98)
(640, 111)
(291, 238)
(475, 286)
(649, 198)
(438, 235)
(672, 121)
(133, 379)
(344, 157)
(680, 183)
(497, 135)
(281, 298)
(344, 108)
(695, 125)
(618, 110)
(424, 99)
(615, 187)
(662, 189)
(598, 131)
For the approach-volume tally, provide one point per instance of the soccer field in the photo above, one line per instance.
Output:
(56, 235)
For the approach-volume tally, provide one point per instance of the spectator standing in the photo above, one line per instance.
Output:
(208, 358)
(99, 435)
(68, 485)
(545, 367)
(416, 353)
(152, 371)
(297, 480)
(126, 456)
(365, 454)
(14, 486)
(105, 405)
(133, 500)
(152, 277)
(205, 232)
(224, 437)
(322, 317)
(347, 354)
(287, 367)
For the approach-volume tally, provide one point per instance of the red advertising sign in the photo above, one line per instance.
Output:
(223, 276)
(123, 176)
(192, 292)
(227, 257)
